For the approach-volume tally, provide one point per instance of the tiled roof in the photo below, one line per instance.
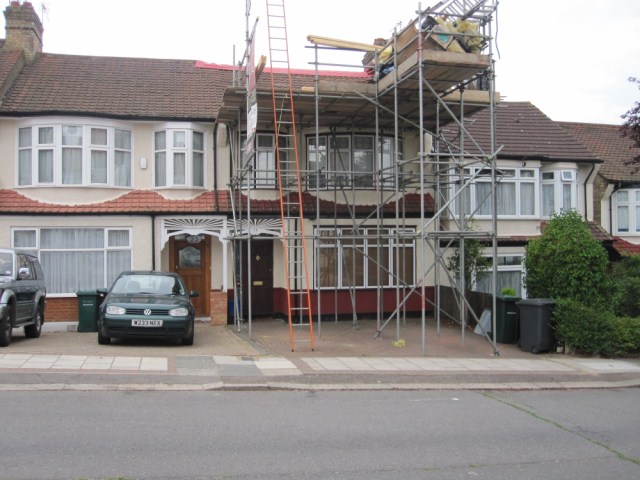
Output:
(625, 248)
(118, 87)
(607, 142)
(523, 132)
(8, 60)
(124, 87)
(219, 202)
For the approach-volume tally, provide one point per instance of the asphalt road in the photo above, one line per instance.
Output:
(586, 434)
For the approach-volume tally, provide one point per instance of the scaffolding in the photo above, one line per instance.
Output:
(424, 83)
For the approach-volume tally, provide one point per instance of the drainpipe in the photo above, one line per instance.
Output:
(153, 242)
(215, 167)
(586, 201)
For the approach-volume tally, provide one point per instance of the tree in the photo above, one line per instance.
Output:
(566, 261)
(631, 127)
(475, 263)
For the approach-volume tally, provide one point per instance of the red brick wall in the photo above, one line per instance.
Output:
(62, 309)
(218, 307)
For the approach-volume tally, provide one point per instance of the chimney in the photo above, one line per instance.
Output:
(23, 29)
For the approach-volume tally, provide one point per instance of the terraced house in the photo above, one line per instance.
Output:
(343, 195)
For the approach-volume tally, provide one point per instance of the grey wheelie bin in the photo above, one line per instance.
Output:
(536, 325)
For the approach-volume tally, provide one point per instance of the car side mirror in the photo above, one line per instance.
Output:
(24, 273)
(193, 293)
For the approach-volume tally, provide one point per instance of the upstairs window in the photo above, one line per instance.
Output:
(627, 211)
(353, 161)
(515, 192)
(179, 158)
(559, 191)
(74, 155)
(258, 169)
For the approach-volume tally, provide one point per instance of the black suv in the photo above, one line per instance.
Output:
(22, 294)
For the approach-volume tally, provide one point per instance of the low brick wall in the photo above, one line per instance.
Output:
(218, 307)
(62, 309)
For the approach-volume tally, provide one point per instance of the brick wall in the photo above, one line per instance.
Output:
(218, 307)
(62, 310)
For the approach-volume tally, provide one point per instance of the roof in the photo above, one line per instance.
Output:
(607, 142)
(147, 202)
(522, 132)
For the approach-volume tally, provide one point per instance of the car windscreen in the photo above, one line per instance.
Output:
(148, 284)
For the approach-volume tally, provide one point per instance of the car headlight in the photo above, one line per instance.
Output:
(115, 310)
(179, 312)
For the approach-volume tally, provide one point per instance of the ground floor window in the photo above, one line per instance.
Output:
(509, 275)
(364, 258)
(76, 259)
(627, 211)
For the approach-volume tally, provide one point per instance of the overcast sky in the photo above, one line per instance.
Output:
(570, 58)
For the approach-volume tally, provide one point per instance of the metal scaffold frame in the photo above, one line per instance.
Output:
(410, 97)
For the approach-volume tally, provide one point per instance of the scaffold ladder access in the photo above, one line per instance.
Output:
(296, 270)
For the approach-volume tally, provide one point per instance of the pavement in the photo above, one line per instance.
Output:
(259, 357)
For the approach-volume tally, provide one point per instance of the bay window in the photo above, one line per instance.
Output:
(77, 258)
(179, 158)
(74, 155)
(559, 191)
(627, 211)
(367, 259)
(350, 161)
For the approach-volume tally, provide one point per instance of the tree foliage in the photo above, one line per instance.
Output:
(475, 264)
(566, 261)
(631, 127)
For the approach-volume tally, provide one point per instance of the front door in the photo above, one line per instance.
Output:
(261, 264)
(190, 257)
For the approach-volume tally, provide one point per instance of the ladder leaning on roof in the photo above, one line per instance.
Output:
(296, 269)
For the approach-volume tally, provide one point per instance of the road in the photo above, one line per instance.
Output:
(586, 434)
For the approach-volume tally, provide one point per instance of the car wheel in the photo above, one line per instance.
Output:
(34, 330)
(103, 340)
(189, 339)
(6, 329)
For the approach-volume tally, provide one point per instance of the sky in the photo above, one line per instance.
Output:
(571, 58)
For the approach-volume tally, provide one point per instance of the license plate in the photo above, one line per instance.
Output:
(146, 323)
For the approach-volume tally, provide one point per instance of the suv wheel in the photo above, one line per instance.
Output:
(34, 330)
(6, 329)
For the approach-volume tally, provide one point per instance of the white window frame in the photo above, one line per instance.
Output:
(503, 267)
(559, 183)
(108, 247)
(41, 163)
(337, 157)
(479, 202)
(184, 161)
(342, 242)
(626, 200)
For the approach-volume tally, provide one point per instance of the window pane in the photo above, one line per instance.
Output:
(198, 170)
(72, 135)
(118, 238)
(24, 137)
(161, 169)
(70, 271)
(328, 264)
(70, 238)
(623, 218)
(123, 139)
(24, 239)
(179, 139)
(71, 166)
(527, 174)
(638, 219)
(622, 196)
(527, 198)
(122, 169)
(160, 141)
(548, 202)
(45, 136)
(352, 267)
(506, 198)
(567, 202)
(483, 198)
(98, 166)
(117, 261)
(45, 166)
(198, 141)
(24, 167)
(179, 166)
(98, 136)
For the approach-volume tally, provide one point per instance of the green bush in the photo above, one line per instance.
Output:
(589, 330)
(625, 280)
(566, 261)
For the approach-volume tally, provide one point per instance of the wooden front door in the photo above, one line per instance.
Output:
(191, 259)
(261, 265)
